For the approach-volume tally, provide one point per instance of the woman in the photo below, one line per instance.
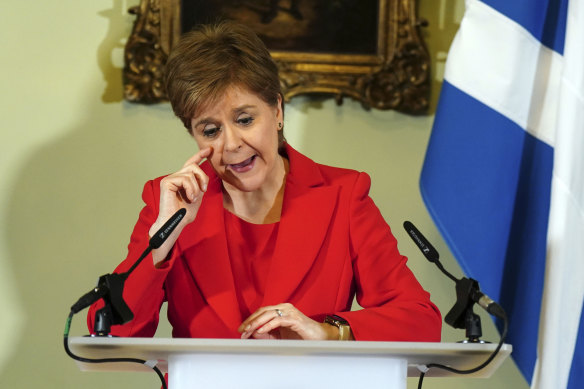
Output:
(273, 245)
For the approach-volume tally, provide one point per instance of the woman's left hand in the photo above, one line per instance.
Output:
(284, 321)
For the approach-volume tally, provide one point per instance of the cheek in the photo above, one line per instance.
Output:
(270, 135)
(203, 143)
(215, 161)
(215, 158)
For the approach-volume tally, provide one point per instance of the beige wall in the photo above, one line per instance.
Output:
(73, 158)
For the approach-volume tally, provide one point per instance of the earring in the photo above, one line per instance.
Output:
(280, 125)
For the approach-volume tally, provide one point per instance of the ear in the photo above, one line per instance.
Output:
(280, 112)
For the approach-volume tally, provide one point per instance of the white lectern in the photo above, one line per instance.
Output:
(233, 363)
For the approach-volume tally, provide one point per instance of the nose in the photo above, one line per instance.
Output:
(232, 138)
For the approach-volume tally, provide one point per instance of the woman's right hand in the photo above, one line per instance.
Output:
(183, 189)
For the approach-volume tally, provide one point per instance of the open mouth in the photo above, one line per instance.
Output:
(243, 166)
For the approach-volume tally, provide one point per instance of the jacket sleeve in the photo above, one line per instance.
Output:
(144, 289)
(395, 306)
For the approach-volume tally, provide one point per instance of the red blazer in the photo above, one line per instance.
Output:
(332, 244)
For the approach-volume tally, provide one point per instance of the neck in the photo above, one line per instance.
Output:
(261, 206)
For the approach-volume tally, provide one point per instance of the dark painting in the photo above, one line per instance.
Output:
(308, 26)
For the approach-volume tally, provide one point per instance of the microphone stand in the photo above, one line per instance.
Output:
(110, 288)
(468, 292)
(461, 315)
(115, 309)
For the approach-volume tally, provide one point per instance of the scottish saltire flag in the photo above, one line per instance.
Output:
(503, 176)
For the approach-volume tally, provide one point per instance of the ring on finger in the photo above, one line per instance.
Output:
(279, 313)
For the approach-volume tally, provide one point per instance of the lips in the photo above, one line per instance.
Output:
(244, 166)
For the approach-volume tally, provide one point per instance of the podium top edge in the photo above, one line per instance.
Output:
(283, 347)
(460, 355)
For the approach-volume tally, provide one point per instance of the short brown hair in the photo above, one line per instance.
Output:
(209, 59)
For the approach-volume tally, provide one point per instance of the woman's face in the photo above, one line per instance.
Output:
(242, 129)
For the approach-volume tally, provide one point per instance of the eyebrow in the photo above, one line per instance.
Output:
(243, 108)
(203, 121)
(235, 110)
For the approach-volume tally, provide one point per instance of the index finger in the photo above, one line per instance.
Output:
(246, 324)
(198, 158)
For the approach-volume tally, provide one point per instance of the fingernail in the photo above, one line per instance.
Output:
(248, 327)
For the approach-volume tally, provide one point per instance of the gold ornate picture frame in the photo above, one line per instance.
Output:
(390, 72)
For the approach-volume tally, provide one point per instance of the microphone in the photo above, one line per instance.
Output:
(110, 286)
(466, 288)
(159, 237)
(162, 234)
(461, 315)
(425, 247)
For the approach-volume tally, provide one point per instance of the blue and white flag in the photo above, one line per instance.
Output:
(503, 176)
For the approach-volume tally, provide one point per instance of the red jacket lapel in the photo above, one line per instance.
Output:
(306, 214)
(204, 246)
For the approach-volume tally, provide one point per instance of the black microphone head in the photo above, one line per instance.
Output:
(425, 247)
(162, 234)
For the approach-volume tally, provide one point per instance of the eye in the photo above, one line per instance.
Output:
(245, 119)
(210, 131)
